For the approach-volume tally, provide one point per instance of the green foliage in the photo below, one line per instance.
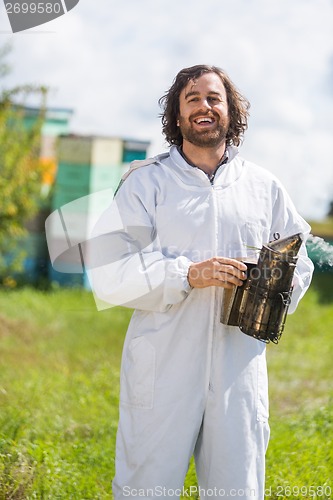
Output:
(20, 168)
(323, 228)
(59, 386)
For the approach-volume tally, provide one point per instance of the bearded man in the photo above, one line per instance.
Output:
(191, 385)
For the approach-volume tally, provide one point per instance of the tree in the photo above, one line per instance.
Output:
(330, 210)
(20, 168)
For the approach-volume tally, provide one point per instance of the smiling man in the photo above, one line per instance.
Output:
(191, 385)
(203, 115)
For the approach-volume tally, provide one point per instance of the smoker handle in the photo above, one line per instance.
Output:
(283, 299)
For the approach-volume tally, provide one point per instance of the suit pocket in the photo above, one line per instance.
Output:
(138, 374)
(245, 239)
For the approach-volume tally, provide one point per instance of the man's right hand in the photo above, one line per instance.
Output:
(218, 271)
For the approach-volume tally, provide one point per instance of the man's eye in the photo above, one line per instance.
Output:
(194, 99)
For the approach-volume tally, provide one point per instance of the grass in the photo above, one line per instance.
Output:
(59, 393)
(59, 383)
(323, 228)
(300, 453)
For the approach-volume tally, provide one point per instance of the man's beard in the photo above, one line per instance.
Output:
(204, 138)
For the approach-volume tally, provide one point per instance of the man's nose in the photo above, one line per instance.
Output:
(205, 104)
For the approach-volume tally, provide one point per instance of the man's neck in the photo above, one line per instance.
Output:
(207, 159)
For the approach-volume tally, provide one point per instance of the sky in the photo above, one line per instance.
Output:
(111, 61)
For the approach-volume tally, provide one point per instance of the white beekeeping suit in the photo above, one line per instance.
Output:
(189, 384)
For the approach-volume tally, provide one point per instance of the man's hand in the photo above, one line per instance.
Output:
(218, 271)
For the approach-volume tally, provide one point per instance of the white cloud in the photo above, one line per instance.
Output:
(111, 62)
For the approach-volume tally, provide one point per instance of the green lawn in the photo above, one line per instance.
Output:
(323, 228)
(59, 368)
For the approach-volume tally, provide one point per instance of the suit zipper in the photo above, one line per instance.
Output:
(210, 364)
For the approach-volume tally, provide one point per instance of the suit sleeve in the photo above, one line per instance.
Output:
(286, 221)
(127, 266)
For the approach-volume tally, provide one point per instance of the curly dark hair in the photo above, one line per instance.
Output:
(238, 105)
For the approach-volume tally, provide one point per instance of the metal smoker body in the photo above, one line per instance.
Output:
(259, 307)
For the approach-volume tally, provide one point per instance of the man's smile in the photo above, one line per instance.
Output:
(204, 121)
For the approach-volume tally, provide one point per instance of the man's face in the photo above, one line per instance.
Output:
(203, 111)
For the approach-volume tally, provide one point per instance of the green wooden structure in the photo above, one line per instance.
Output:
(87, 165)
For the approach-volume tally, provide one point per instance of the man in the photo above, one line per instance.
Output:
(189, 384)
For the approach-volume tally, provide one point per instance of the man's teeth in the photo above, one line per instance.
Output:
(203, 120)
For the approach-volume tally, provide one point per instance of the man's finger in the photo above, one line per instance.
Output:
(231, 270)
(232, 262)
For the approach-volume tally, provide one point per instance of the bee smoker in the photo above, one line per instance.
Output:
(259, 307)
